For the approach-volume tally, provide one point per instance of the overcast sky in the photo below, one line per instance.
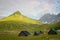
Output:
(31, 8)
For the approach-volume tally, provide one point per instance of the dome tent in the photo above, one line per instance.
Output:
(52, 31)
(24, 33)
(37, 33)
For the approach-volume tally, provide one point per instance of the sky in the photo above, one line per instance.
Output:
(31, 8)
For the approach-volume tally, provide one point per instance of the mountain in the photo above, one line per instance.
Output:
(17, 16)
(50, 18)
(19, 22)
(58, 17)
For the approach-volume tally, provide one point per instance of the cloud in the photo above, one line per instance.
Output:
(31, 8)
(28, 7)
(45, 7)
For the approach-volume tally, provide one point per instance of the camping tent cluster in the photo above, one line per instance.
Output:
(26, 33)
(36, 33)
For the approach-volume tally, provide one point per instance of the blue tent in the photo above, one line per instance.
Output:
(52, 31)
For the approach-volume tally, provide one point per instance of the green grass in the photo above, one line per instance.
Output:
(11, 31)
(11, 36)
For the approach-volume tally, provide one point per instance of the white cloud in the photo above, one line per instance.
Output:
(45, 7)
(30, 8)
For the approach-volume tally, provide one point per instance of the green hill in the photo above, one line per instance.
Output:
(56, 25)
(18, 22)
(17, 16)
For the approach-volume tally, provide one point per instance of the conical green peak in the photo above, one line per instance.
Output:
(17, 13)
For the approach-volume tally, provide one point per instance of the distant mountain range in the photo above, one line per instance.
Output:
(50, 18)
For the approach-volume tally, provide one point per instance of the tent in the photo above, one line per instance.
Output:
(41, 32)
(24, 33)
(38, 33)
(52, 31)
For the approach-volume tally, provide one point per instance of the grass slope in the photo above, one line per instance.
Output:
(8, 32)
(56, 25)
